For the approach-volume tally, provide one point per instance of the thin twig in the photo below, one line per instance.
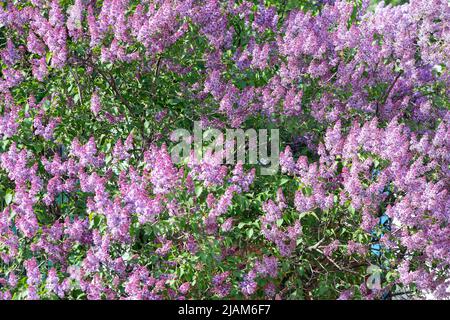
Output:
(111, 83)
(78, 86)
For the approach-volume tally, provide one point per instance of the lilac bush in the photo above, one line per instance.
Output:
(93, 206)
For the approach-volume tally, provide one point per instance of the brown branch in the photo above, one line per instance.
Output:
(157, 71)
(109, 79)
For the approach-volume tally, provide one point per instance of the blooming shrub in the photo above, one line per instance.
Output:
(94, 207)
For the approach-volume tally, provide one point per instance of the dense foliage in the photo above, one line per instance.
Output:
(92, 206)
